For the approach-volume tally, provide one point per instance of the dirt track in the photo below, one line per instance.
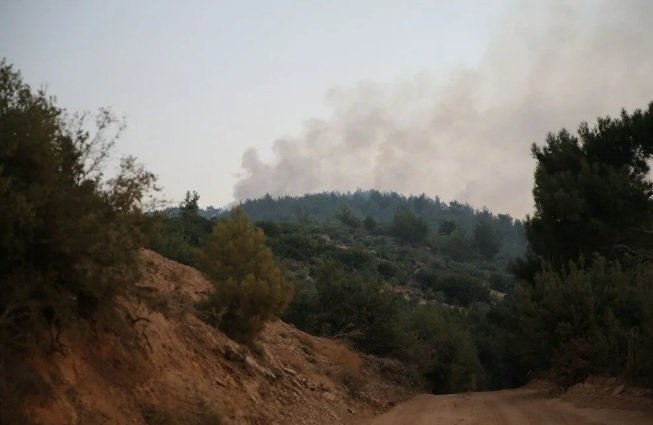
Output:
(509, 407)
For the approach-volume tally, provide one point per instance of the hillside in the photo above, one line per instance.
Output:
(425, 280)
(405, 239)
(165, 366)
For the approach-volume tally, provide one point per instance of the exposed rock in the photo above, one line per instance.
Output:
(173, 366)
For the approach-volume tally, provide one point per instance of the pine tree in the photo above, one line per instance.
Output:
(592, 191)
(408, 227)
(249, 286)
(486, 240)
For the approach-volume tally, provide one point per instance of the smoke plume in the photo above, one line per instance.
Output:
(468, 139)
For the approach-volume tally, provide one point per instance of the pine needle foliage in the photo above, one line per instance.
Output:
(249, 286)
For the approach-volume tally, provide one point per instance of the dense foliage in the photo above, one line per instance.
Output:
(68, 237)
(588, 320)
(434, 339)
(592, 192)
(398, 297)
(409, 216)
(249, 287)
(180, 235)
(585, 302)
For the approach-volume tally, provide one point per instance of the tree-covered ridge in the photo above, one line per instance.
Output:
(431, 262)
(382, 207)
(422, 302)
(398, 287)
(433, 269)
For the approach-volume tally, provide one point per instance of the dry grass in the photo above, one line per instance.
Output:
(306, 341)
(349, 371)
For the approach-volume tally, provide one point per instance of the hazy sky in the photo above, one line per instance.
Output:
(235, 99)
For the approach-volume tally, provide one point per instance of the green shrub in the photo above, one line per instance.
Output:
(387, 269)
(579, 320)
(443, 349)
(354, 258)
(69, 239)
(458, 288)
(249, 287)
(179, 236)
(354, 307)
(408, 227)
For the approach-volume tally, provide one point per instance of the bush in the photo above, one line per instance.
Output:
(388, 269)
(354, 258)
(69, 239)
(352, 306)
(486, 240)
(457, 247)
(370, 224)
(350, 371)
(408, 227)
(458, 288)
(501, 282)
(443, 350)
(347, 217)
(249, 287)
(579, 321)
(179, 236)
(289, 240)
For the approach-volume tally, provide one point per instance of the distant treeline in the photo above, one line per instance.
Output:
(381, 207)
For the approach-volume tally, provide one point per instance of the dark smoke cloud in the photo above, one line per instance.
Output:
(468, 139)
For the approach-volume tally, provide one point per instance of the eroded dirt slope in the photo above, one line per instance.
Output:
(168, 367)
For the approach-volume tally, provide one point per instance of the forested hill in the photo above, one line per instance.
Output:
(374, 208)
(396, 276)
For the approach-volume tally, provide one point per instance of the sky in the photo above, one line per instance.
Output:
(236, 99)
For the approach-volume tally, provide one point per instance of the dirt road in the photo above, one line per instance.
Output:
(508, 407)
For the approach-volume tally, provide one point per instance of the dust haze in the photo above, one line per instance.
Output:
(467, 137)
